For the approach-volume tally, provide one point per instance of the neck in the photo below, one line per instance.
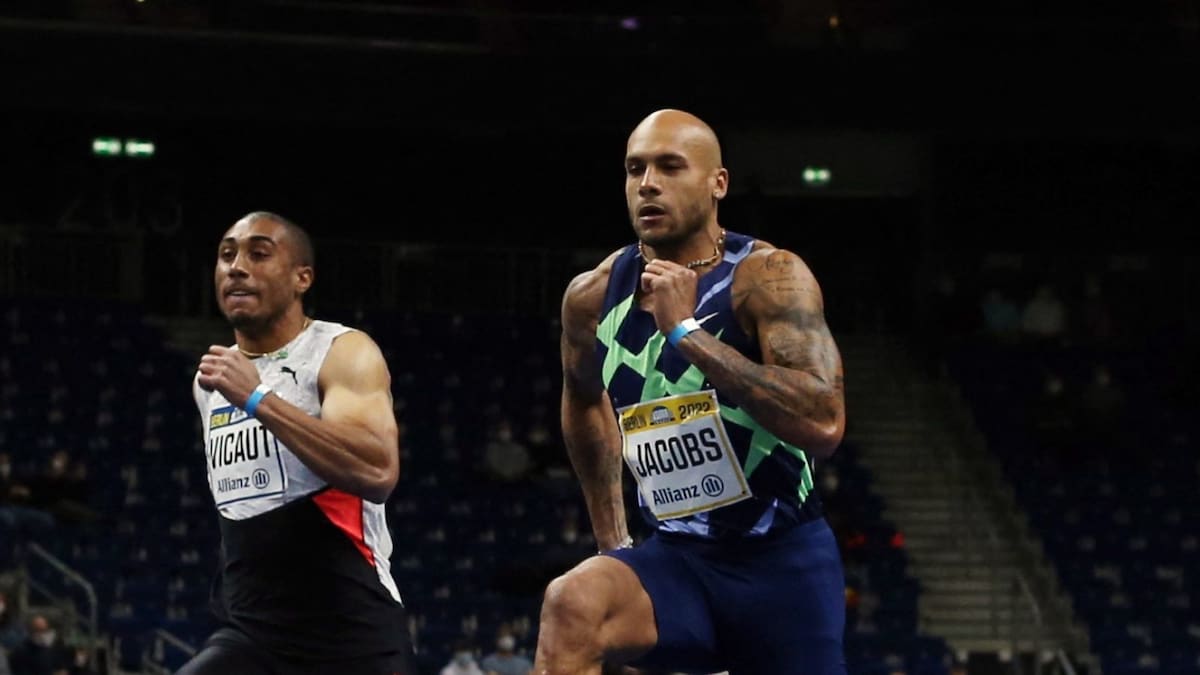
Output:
(700, 246)
(273, 336)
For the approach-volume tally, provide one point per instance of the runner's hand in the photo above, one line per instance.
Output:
(229, 372)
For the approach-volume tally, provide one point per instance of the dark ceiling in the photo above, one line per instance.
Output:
(1043, 117)
(1067, 67)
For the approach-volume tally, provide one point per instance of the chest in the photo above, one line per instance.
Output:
(295, 380)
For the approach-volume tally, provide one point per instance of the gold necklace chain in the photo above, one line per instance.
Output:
(695, 263)
(255, 355)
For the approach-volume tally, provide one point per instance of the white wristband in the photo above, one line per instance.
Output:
(688, 325)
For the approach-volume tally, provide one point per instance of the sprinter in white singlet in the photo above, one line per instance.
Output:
(301, 449)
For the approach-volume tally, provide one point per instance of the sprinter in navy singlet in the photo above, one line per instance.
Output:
(301, 450)
(701, 359)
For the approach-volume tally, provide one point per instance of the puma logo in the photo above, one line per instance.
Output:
(291, 372)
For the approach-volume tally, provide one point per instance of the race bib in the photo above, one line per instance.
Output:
(679, 454)
(244, 459)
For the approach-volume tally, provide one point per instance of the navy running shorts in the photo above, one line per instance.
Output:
(772, 605)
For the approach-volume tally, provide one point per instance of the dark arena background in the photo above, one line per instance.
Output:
(999, 200)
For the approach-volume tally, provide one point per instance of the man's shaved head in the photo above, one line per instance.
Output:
(691, 132)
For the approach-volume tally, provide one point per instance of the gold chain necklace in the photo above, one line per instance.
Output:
(695, 263)
(255, 355)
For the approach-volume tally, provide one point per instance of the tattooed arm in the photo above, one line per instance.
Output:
(797, 392)
(589, 425)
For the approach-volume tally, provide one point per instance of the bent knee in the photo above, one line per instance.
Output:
(575, 600)
(596, 610)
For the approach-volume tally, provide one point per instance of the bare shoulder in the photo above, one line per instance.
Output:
(761, 245)
(766, 257)
(774, 284)
(584, 296)
(770, 272)
(354, 359)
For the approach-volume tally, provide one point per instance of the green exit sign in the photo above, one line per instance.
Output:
(816, 176)
(137, 148)
(107, 146)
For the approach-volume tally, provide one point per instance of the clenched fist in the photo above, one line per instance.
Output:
(671, 290)
(228, 371)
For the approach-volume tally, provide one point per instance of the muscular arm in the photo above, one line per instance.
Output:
(589, 426)
(797, 392)
(354, 445)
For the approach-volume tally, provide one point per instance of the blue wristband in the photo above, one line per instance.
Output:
(255, 398)
(680, 331)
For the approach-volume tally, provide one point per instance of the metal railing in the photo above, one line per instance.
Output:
(1025, 623)
(967, 531)
(1064, 663)
(1024, 593)
(90, 622)
(1021, 591)
(155, 652)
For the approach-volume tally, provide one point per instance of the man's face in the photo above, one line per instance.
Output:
(670, 184)
(257, 277)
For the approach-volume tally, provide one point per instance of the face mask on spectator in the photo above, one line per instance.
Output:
(44, 639)
(506, 643)
(462, 658)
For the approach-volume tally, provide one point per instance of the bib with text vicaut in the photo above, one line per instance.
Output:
(680, 456)
(243, 457)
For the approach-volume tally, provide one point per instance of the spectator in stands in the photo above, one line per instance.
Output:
(839, 512)
(868, 604)
(463, 661)
(1096, 321)
(80, 663)
(1102, 404)
(1001, 318)
(12, 633)
(954, 312)
(829, 482)
(505, 660)
(16, 501)
(62, 489)
(1045, 317)
(448, 440)
(10, 488)
(505, 458)
(541, 442)
(1102, 398)
(570, 526)
(1052, 415)
(543, 386)
(42, 653)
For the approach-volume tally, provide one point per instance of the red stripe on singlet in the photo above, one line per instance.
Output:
(346, 512)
